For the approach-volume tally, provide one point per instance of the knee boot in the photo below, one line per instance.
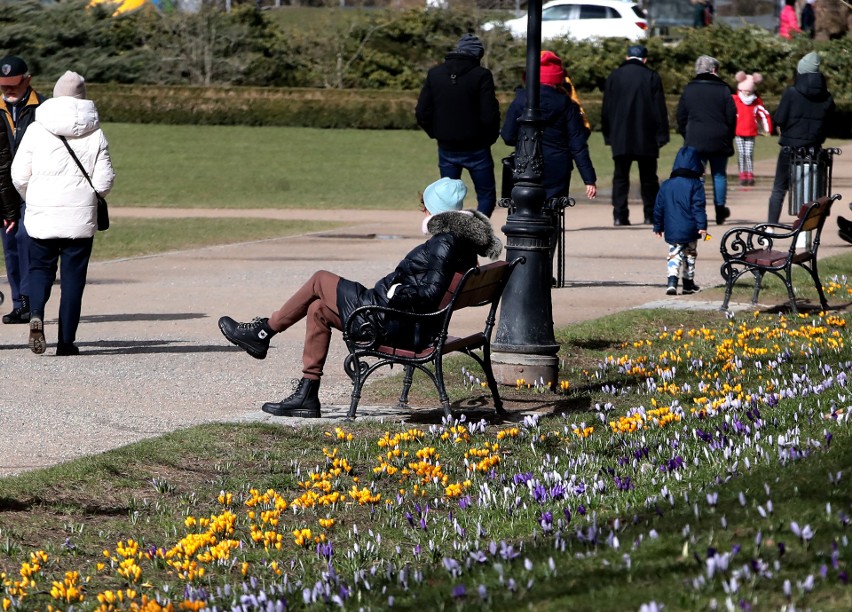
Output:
(303, 403)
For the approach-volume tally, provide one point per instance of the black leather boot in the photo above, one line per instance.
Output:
(303, 403)
(671, 287)
(253, 337)
(21, 314)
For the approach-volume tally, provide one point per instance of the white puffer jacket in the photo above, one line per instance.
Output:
(60, 202)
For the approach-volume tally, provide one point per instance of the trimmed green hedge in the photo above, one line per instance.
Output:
(318, 108)
(255, 106)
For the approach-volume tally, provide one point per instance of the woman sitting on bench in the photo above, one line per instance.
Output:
(417, 284)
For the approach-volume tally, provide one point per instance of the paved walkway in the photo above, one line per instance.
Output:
(153, 359)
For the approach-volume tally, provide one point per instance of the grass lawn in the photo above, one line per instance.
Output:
(688, 463)
(132, 237)
(270, 167)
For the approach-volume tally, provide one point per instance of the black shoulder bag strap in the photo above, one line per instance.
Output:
(79, 165)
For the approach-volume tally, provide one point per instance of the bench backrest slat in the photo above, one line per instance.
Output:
(812, 215)
(476, 287)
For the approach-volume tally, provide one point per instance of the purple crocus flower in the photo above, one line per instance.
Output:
(557, 491)
(521, 478)
(459, 591)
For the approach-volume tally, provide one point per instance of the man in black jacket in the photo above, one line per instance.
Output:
(707, 118)
(802, 118)
(635, 123)
(458, 108)
(18, 110)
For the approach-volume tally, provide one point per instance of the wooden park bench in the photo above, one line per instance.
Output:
(776, 248)
(479, 287)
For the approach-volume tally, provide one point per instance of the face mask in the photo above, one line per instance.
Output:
(747, 98)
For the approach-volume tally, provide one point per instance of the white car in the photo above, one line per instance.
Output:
(584, 20)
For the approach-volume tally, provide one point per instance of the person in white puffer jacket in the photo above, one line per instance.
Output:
(61, 215)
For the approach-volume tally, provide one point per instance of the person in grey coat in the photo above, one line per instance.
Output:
(635, 123)
(707, 119)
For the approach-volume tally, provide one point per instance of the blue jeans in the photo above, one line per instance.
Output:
(16, 251)
(480, 165)
(719, 171)
(72, 255)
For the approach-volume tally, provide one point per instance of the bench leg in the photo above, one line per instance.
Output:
(728, 275)
(788, 282)
(353, 402)
(818, 284)
(442, 390)
(406, 387)
(758, 279)
(492, 383)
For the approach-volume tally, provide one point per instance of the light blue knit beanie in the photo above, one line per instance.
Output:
(444, 195)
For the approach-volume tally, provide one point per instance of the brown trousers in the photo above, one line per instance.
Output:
(316, 302)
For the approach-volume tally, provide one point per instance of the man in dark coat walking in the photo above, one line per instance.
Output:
(17, 109)
(635, 124)
(707, 118)
(458, 108)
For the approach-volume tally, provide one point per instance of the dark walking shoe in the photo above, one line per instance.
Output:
(689, 286)
(37, 341)
(621, 222)
(304, 402)
(66, 350)
(253, 337)
(671, 287)
(722, 213)
(19, 315)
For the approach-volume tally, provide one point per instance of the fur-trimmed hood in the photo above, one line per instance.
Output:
(471, 225)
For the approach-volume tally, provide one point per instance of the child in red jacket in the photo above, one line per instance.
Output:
(751, 116)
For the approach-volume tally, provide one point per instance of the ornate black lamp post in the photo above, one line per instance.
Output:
(525, 346)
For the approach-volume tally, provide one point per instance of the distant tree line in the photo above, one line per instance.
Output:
(383, 49)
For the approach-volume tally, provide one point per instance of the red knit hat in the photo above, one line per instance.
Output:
(551, 72)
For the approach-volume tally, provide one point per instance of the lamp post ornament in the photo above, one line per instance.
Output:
(525, 346)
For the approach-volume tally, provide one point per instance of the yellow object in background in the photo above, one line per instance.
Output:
(122, 6)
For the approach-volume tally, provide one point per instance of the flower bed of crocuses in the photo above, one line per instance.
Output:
(708, 472)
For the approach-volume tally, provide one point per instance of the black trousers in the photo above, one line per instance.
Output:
(780, 186)
(71, 257)
(649, 185)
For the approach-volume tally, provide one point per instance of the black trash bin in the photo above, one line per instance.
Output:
(810, 175)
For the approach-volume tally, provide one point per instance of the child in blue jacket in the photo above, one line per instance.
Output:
(680, 214)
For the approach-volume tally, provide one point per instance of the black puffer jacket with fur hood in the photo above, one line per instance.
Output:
(426, 272)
